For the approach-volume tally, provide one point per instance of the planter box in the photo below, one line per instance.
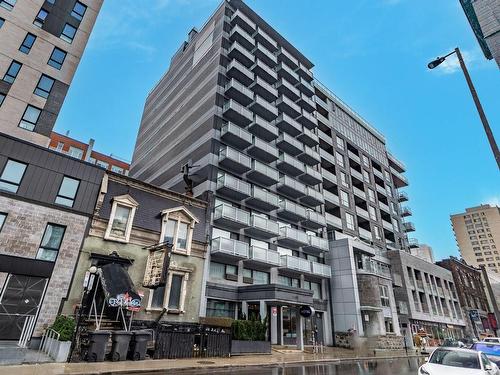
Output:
(57, 350)
(250, 347)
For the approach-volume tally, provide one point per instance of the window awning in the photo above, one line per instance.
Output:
(118, 288)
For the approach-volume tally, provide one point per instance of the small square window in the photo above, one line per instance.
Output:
(79, 10)
(28, 42)
(57, 58)
(7, 4)
(117, 169)
(68, 33)
(12, 72)
(75, 152)
(67, 191)
(51, 1)
(40, 18)
(30, 118)
(44, 86)
(11, 176)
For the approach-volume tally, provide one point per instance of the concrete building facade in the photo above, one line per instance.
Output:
(477, 232)
(41, 44)
(427, 298)
(424, 252)
(46, 201)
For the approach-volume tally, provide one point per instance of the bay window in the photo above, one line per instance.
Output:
(121, 218)
(177, 229)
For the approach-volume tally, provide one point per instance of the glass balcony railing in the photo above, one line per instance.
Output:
(224, 211)
(264, 256)
(295, 263)
(230, 247)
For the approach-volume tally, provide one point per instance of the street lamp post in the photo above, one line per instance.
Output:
(479, 107)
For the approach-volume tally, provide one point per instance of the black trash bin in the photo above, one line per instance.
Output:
(139, 344)
(121, 341)
(97, 348)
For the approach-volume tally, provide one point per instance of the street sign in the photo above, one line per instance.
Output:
(274, 311)
(306, 311)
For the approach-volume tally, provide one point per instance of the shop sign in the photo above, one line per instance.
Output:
(474, 315)
(274, 311)
(125, 300)
(306, 311)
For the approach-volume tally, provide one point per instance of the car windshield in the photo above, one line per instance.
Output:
(489, 349)
(455, 359)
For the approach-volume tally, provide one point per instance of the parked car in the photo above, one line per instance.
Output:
(492, 339)
(452, 343)
(454, 361)
(491, 349)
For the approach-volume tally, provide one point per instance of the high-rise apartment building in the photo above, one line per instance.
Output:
(477, 232)
(288, 167)
(41, 44)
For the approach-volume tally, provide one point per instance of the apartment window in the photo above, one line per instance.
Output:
(372, 213)
(12, 72)
(366, 161)
(172, 297)
(75, 152)
(314, 287)
(51, 242)
(28, 42)
(384, 296)
(40, 18)
(256, 277)
(349, 221)
(174, 300)
(116, 169)
(177, 229)
(79, 10)
(57, 58)
(67, 191)
(376, 231)
(222, 271)
(343, 179)
(30, 118)
(288, 281)
(395, 225)
(344, 198)
(7, 4)
(2, 98)
(68, 33)
(102, 164)
(340, 143)
(340, 158)
(51, 1)
(121, 218)
(366, 176)
(371, 195)
(44, 86)
(12, 175)
(2, 220)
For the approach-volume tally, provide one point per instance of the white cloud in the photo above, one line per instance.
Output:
(472, 58)
(494, 201)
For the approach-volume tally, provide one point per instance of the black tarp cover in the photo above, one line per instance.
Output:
(118, 287)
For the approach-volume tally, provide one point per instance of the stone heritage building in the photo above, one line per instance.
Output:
(426, 295)
(473, 297)
(46, 202)
(131, 220)
(41, 44)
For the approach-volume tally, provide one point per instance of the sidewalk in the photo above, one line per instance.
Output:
(275, 359)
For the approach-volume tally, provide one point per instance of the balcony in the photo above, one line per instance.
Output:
(265, 72)
(262, 37)
(309, 156)
(239, 92)
(413, 243)
(291, 237)
(237, 34)
(236, 136)
(229, 248)
(307, 119)
(333, 221)
(234, 160)
(307, 103)
(232, 187)
(239, 18)
(311, 176)
(297, 264)
(291, 211)
(263, 174)
(286, 88)
(240, 53)
(402, 196)
(288, 106)
(231, 217)
(398, 178)
(287, 57)
(264, 89)
(360, 193)
(312, 198)
(263, 151)
(356, 174)
(308, 137)
(284, 71)
(237, 70)
(365, 234)
(262, 53)
(263, 256)
(304, 72)
(321, 270)
(327, 156)
(289, 144)
(261, 227)
(409, 227)
(377, 173)
(316, 244)
(314, 220)
(354, 157)
(263, 199)
(263, 129)
(320, 102)
(237, 113)
(380, 189)
(405, 211)
(305, 87)
(289, 165)
(331, 198)
(384, 207)
(362, 212)
(291, 187)
(263, 108)
(387, 226)
(324, 120)
(329, 176)
(288, 125)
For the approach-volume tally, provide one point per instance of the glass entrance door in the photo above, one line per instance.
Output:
(20, 300)
(289, 315)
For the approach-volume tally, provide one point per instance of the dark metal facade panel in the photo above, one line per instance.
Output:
(59, 16)
(46, 170)
(25, 266)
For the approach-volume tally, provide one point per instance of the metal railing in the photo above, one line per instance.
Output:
(48, 343)
(28, 326)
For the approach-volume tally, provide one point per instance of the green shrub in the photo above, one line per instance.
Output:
(65, 326)
(249, 330)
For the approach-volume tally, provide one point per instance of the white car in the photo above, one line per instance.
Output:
(454, 361)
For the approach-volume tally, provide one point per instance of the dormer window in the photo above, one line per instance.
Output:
(121, 218)
(177, 229)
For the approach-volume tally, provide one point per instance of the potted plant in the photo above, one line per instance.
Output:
(57, 340)
(249, 337)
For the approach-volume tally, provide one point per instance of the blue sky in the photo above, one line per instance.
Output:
(371, 53)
